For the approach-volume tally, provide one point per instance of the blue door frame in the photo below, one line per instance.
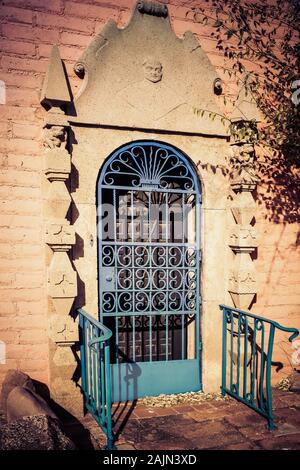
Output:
(149, 269)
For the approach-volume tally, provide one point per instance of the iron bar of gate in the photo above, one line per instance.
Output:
(246, 334)
(95, 371)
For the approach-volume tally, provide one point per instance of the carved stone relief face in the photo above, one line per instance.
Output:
(54, 136)
(152, 70)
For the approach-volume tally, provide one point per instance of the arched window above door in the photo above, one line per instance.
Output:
(149, 164)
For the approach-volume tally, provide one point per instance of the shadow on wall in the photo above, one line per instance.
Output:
(73, 427)
(278, 190)
(124, 386)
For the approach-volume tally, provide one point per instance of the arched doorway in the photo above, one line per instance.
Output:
(148, 201)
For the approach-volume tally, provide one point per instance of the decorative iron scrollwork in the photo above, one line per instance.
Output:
(149, 250)
(144, 282)
(149, 165)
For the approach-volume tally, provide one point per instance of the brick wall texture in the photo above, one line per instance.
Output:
(28, 28)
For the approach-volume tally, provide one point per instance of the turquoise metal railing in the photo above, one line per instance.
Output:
(247, 349)
(95, 371)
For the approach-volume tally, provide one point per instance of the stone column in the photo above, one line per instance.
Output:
(61, 276)
(59, 238)
(242, 237)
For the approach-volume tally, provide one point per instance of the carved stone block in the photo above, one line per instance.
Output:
(55, 87)
(57, 165)
(63, 329)
(244, 208)
(242, 301)
(60, 237)
(64, 356)
(243, 239)
(243, 282)
(243, 186)
(62, 305)
(62, 284)
(57, 201)
(57, 159)
(54, 137)
(62, 279)
(243, 165)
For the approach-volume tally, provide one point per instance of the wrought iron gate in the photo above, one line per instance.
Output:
(149, 269)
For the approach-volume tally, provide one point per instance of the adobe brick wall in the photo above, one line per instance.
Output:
(279, 276)
(28, 29)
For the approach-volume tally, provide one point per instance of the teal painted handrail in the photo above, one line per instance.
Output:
(95, 371)
(245, 332)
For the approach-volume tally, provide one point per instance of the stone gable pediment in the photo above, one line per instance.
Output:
(119, 90)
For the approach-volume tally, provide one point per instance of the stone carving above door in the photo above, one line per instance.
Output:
(144, 76)
(151, 96)
(153, 69)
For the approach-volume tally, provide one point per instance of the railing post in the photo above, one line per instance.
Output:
(271, 424)
(224, 345)
(245, 357)
(90, 365)
(102, 374)
(110, 438)
(95, 372)
(82, 352)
